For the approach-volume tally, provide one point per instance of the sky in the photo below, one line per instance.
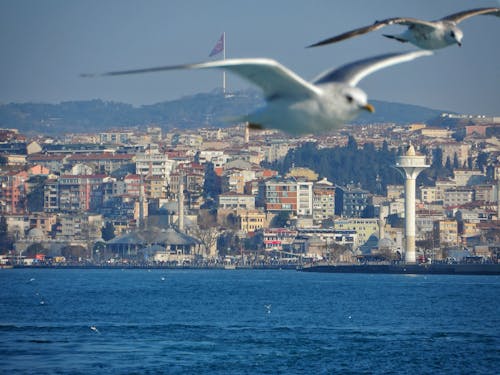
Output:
(46, 45)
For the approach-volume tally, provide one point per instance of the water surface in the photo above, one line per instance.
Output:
(246, 322)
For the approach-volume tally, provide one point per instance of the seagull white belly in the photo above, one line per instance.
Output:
(302, 117)
(427, 40)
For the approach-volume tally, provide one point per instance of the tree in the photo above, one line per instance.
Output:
(212, 184)
(108, 232)
(280, 220)
(456, 162)
(35, 195)
(206, 231)
(5, 240)
(74, 252)
(35, 248)
(482, 160)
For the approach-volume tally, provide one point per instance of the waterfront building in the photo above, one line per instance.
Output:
(350, 201)
(275, 239)
(365, 229)
(304, 197)
(323, 200)
(251, 220)
(446, 233)
(278, 194)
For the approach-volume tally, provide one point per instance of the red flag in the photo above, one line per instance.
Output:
(219, 47)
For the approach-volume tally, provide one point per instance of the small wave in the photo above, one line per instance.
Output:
(35, 341)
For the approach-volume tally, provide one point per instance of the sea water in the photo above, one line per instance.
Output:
(131, 321)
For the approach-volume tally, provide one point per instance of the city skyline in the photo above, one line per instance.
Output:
(47, 45)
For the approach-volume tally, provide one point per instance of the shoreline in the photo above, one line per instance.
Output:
(416, 269)
(411, 269)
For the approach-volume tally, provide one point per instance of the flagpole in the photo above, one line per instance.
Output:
(224, 57)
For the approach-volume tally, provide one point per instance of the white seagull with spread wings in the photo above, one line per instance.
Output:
(423, 34)
(293, 104)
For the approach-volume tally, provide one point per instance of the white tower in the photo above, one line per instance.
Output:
(180, 217)
(410, 165)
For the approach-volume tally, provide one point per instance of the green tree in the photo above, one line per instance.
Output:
(108, 231)
(5, 240)
(35, 248)
(482, 161)
(35, 195)
(74, 252)
(281, 220)
(212, 184)
(456, 162)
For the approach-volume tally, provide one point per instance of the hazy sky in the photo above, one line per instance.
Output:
(45, 45)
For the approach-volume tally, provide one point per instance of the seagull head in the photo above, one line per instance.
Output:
(355, 100)
(455, 35)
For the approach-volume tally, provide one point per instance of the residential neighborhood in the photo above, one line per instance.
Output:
(232, 195)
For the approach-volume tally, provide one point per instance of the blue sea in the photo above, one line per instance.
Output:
(131, 321)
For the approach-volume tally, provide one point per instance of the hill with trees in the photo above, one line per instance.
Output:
(195, 111)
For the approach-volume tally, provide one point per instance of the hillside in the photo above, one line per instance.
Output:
(204, 109)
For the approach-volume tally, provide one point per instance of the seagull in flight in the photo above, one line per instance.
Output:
(293, 104)
(428, 35)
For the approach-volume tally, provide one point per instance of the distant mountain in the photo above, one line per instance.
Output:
(204, 109)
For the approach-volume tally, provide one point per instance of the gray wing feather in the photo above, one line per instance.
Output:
(460, 16)
(354, 72)
(377, 25)
(274, 79)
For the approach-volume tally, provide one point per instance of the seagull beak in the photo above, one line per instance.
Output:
(369, 108)
(459, 44)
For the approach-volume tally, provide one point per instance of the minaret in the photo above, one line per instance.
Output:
(381, 222)
(247, 135)
(180, 215)
(498, 197)
(410, 165)
(141, 203)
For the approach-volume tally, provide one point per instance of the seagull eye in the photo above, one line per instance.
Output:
(349, 98)
(452, 34)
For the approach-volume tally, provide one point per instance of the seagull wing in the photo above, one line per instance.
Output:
(460, 16)
(377, 25)
(274, 79)
(354, 72)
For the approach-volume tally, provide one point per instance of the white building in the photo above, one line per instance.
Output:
(236, 201)
(304, 198)
(153, 163)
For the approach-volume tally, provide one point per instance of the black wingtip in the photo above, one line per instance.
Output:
(318, 44)
(254, 126)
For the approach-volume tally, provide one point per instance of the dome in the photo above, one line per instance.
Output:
(36, 234)
(385, 243)
(410, 151)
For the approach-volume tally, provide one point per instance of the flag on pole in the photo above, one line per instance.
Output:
(219, 47)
